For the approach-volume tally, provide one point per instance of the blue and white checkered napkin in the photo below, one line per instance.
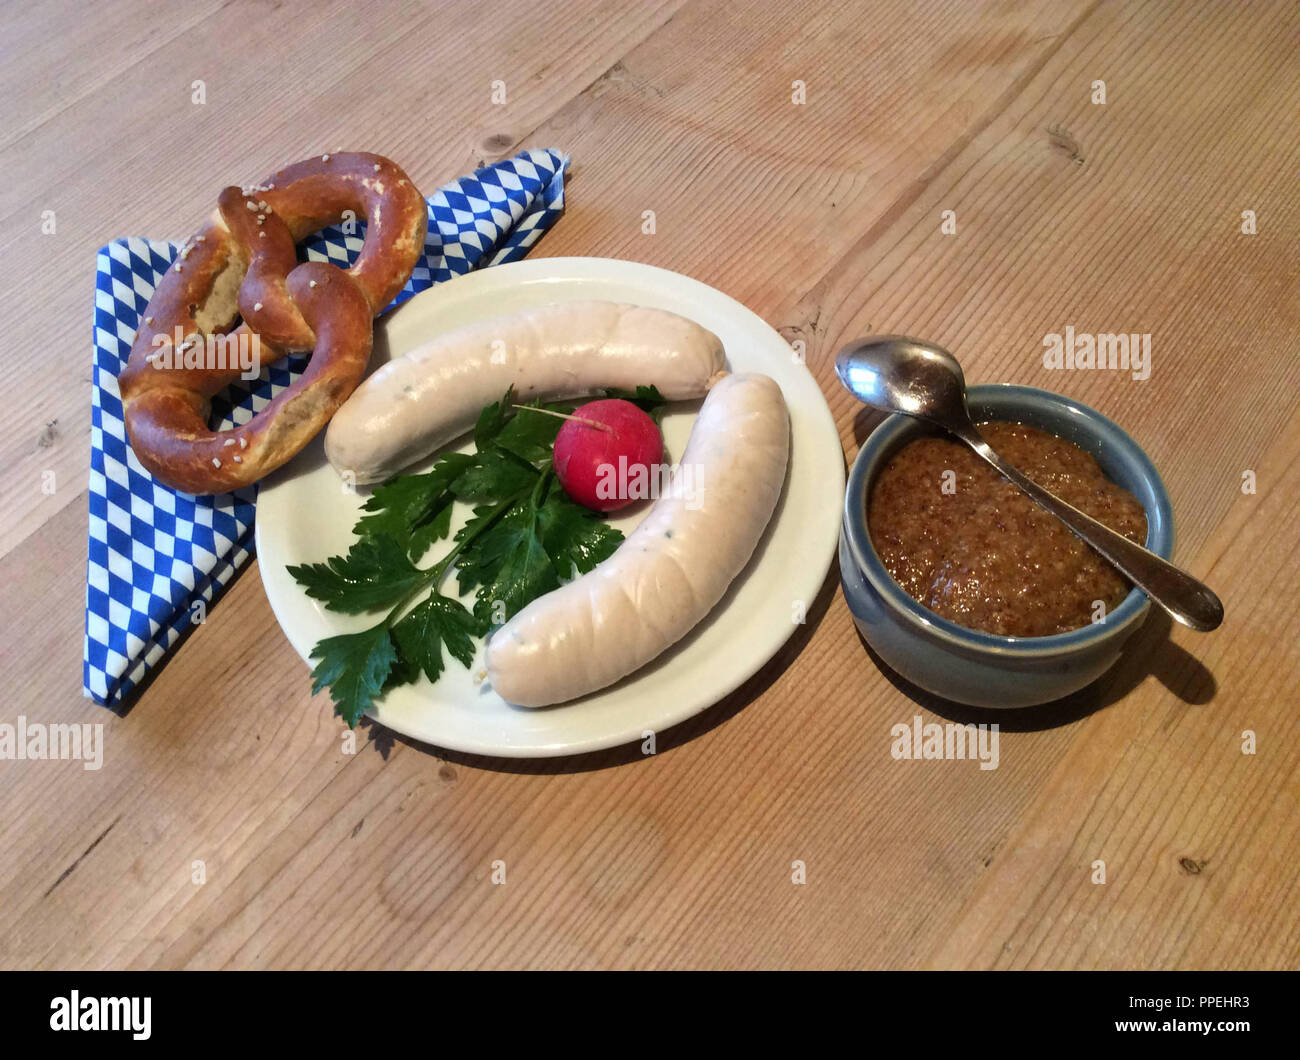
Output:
(159, 558)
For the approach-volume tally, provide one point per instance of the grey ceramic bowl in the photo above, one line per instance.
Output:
(983, 669)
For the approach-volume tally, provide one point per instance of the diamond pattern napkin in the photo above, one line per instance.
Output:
(159, 558)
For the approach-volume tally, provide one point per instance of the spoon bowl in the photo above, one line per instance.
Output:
(905, 375)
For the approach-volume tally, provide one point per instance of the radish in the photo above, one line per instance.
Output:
(607, 454)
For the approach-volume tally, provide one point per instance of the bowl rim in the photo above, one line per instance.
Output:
(1116, 442)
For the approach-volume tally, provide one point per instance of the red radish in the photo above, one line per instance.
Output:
(608, 454)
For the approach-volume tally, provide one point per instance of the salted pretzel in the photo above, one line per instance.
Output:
(243, 264)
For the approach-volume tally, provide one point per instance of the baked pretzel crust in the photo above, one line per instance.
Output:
(243, 265)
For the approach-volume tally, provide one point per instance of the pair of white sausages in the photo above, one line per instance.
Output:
(677, 564)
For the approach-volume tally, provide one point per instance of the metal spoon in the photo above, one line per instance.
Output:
(916, 378)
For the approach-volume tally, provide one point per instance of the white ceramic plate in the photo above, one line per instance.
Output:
(304, 516)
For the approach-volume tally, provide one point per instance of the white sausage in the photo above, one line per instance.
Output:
(669, 572)
(418, 402)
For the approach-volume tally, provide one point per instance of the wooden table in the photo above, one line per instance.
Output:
(826, 217)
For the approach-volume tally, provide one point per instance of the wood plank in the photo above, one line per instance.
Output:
(71, 57)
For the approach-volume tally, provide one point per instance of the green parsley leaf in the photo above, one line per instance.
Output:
(354, 667)
(421, 635)
(510, 565)
(646, 398)
(402, 505)
(472, 568)
(529, 549)
(492, 419)
(424, 535)
(374, 574)
(574, 536)
(531, 435)
(496, 475)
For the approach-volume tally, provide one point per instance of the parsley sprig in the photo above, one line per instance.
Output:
(525, 536)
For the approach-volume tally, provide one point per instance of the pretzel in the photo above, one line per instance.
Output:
(243, 264)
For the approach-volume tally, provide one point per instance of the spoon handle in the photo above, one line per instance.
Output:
(1186, 599)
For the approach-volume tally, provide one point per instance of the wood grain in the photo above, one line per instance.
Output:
(824, 217)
